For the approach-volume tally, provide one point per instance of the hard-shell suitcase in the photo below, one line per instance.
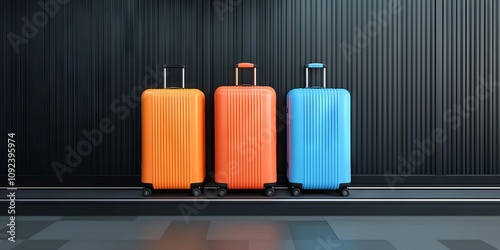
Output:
(173, 138)
(245, 136)
(319, 137)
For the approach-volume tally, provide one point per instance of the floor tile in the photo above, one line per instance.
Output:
(249, 230)
(324, 244)
(7, 245)
(367, 245)
(40, 244)
(114, 244)
(315, 245)
(494, 243)
(318, 244)
(160, 245)
(225, 245)
(103, 230)
(191, 244)
(311, 230)
(415, 229)
(3, 232)
(26, 229)
(99, 218)
(417, 244)
(32, 218)
(271, 245)
(181, 230)
(467, 245)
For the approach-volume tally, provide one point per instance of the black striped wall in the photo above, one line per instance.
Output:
(406, 64)
(471, 87)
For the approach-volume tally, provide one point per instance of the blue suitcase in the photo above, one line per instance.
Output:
(319, 137)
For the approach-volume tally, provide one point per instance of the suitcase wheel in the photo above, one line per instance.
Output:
(146, 192)
(344, 192)
(221, 192)
(296, 192)
(196, 192)
(270, 192)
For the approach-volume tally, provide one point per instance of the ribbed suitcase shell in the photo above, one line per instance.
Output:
(245, 136)
(319, 143)
(173, 138)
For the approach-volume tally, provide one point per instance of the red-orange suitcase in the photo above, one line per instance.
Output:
(173, 138)
(245, 136)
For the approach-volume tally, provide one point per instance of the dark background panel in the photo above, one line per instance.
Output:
(4, 66)
(405, 63)
(471, 87)
(380, 63)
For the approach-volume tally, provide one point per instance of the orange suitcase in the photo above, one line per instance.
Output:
(245, 136)
(173, 138)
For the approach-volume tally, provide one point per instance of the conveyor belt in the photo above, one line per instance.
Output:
(362, 201)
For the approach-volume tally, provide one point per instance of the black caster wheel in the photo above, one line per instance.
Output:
(270, 192)
(221, 192)
(344, 192)
(146, 192)
(296, 192)
(196, 192)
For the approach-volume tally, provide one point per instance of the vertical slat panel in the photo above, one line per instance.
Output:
(471, 107)
(406, 71)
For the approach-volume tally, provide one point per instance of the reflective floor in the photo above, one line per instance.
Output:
(259, 233)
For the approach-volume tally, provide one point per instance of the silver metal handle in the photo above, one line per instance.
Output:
(170, 66)
(315, 66)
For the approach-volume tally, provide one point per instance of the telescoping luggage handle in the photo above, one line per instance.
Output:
(173, 66)
(315, 66)
(246, 66)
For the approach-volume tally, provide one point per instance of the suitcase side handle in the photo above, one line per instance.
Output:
(315, 66)
(173, 66)
(245, 65)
